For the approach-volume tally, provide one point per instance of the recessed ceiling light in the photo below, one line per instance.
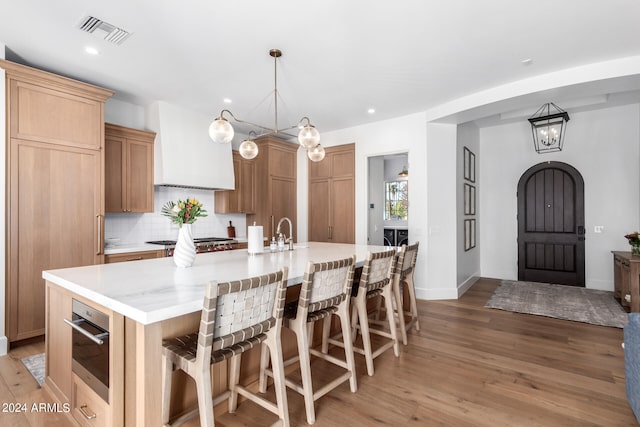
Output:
(527, 61)
(371, 110)
(91, 50)
(227, 101)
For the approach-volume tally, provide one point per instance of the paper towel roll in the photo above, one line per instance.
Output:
(255, 239)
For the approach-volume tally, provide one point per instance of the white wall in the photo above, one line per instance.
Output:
(3, 174)
(124, 114)
(468, 261)
(375, 196)
(408, 134)
(603, 145)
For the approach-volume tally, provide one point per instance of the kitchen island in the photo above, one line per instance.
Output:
(147, 301)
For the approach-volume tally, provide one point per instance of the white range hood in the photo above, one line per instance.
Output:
(185, 156)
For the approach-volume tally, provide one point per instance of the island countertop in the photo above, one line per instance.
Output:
(154, 290)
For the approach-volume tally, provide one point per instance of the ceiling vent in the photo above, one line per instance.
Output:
(109, 32)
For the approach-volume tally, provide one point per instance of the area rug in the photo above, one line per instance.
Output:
(559, 301)
(35, 365)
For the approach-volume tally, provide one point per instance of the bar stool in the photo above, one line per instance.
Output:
(405, 267)
(325, 291)
(236, 317)
(376, 281)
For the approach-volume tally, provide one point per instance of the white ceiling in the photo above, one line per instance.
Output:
(341, 57)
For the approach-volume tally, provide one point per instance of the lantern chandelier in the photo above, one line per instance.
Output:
(548, 125)
(309, 138)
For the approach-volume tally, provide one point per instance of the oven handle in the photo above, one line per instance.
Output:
(95, 338)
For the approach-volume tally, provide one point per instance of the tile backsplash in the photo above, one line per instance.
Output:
(137, 228)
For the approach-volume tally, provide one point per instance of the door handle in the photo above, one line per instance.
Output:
(99, 239)
(581, 230)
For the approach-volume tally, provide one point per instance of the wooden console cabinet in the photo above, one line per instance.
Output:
(626, 279)
(128, 169)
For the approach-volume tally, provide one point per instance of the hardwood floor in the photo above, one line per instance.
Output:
(468, 366)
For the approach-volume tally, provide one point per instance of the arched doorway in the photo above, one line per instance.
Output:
(551, 224)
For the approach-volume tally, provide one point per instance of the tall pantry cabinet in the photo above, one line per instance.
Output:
(55, 186)
(332, 196)
(275, 191)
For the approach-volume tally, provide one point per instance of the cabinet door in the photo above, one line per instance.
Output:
(342, 195)
(114, 161)
(42, 114)
(247, 186)
(319, 211)
(55, 221)
(58, 341)
(139, 176)
(283, 199)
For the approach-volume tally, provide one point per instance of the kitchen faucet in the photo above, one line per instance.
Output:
(290, 239)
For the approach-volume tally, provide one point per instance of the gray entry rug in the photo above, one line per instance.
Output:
(559, 301)
(35, 365)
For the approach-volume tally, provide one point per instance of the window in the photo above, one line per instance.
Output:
(396, 200)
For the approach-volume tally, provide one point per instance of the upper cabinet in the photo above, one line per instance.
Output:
(243, 199)
(128, 169)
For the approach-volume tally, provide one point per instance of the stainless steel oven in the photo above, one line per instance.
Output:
(90, 347)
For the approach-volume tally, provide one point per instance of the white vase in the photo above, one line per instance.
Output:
(185, 252)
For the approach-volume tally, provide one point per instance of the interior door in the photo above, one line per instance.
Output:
(551, 225)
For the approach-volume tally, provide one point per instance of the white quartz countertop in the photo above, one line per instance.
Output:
(131, 247)
(154, 290)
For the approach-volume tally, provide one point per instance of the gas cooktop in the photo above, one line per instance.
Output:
(196, 240)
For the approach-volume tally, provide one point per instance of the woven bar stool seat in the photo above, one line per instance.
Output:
(376, 281)
(325, 291)
(236, 316)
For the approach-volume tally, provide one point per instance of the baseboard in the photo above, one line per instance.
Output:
(436, 294)
(464, 286)
(4, 345)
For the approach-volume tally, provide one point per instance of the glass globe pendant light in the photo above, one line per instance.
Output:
(316, 154)
(249, 149)
(309, 136)
(221, 130)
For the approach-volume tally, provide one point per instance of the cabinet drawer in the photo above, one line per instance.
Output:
(132, 256)
(87, 407)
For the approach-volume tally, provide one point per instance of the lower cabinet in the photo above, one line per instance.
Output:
(87, 408)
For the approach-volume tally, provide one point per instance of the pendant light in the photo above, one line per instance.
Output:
(548, 125)
(222, 131)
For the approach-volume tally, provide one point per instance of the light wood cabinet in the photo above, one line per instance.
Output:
(133, 256)
(128, 169)
(86, 407)
(243, 199)
(55, 186)
(332, 196)
(275, 190)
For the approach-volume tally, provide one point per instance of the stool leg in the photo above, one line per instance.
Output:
(305, 369)
(399, 308)
(326, 327)
(343, 313)
(167, 373)
(274, 346)
(366, 337)
(264, 365)
(412, 301)
(234, 379)
(388, 300)
(205, 402)
(354, 319)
